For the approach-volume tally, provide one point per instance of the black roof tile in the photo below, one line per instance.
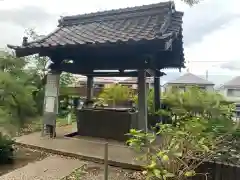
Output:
(149, 22)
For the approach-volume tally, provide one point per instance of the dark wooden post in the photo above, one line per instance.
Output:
(142, 101)
(89, 88)
(157, 103)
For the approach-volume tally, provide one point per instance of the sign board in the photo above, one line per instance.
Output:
(50, 104)
(52, 84)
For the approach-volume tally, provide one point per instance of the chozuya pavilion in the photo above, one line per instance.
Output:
(145, 39)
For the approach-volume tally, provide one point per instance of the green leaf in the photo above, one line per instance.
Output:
(152, 165)
(190, 173)
(160, 154)
(165, 158)
(178, 154)
(205, 148)
(157, 173)
(169, 175)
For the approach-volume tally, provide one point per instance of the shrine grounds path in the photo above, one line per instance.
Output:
(50, 168)
(83, 148)
(70, 154)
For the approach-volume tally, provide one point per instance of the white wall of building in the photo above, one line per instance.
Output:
(231, 96)
(207, 87)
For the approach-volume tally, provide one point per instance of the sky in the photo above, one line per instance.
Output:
(211, 28)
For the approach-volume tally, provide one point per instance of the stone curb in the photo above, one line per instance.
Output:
(84, 157)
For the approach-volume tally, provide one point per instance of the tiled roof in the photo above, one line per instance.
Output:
(235, 82)
(190, 79)
(148, 22)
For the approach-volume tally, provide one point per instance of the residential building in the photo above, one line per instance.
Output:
(231, 90)
(79, 88)
(131, 82)
(188, 80)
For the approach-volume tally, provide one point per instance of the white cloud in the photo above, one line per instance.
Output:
(216, 48)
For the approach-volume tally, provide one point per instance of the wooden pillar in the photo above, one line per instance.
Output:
(142, 101)
(157, 103)
(89, 88)
(51, 103)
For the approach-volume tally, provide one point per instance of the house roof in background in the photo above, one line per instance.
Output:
(96, 80)
(235, 82)
(190, 78)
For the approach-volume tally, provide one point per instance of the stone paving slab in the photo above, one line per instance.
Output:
(119, 155)
(50, 168)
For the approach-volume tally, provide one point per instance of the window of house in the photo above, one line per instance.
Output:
(233, 92)
(202, 88)
(182, 88)
(99, 85)
(238, 108)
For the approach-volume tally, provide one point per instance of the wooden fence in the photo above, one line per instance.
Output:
(217, 171)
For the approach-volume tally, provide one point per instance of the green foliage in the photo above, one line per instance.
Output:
(150, 101)
(37, 70)
(116, 94)
(6, 149)
(16, 102)
(197, 102)
(66, 79)
(176, 150)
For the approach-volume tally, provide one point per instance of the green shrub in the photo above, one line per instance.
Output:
(201, 124)
(6, 149)
(116, 94)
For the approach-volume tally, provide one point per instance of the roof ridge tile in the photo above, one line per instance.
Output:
(108, 14)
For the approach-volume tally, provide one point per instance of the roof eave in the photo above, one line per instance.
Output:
(231, 86)
(20, 51)
(172, 83)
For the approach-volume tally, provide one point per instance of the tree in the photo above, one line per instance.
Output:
(38, 68)
(116, 94)
(16, 102)
(150, 101)
(200, 122)
(66, 79)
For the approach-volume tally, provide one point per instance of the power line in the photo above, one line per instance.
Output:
(206, 61)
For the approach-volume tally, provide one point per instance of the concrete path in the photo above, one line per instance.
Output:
(50, 168)
(83, 148)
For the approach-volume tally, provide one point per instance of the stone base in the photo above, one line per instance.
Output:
(49, 124)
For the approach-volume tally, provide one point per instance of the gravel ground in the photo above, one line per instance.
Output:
(93, 171)
(87, 171)
(22, 156)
